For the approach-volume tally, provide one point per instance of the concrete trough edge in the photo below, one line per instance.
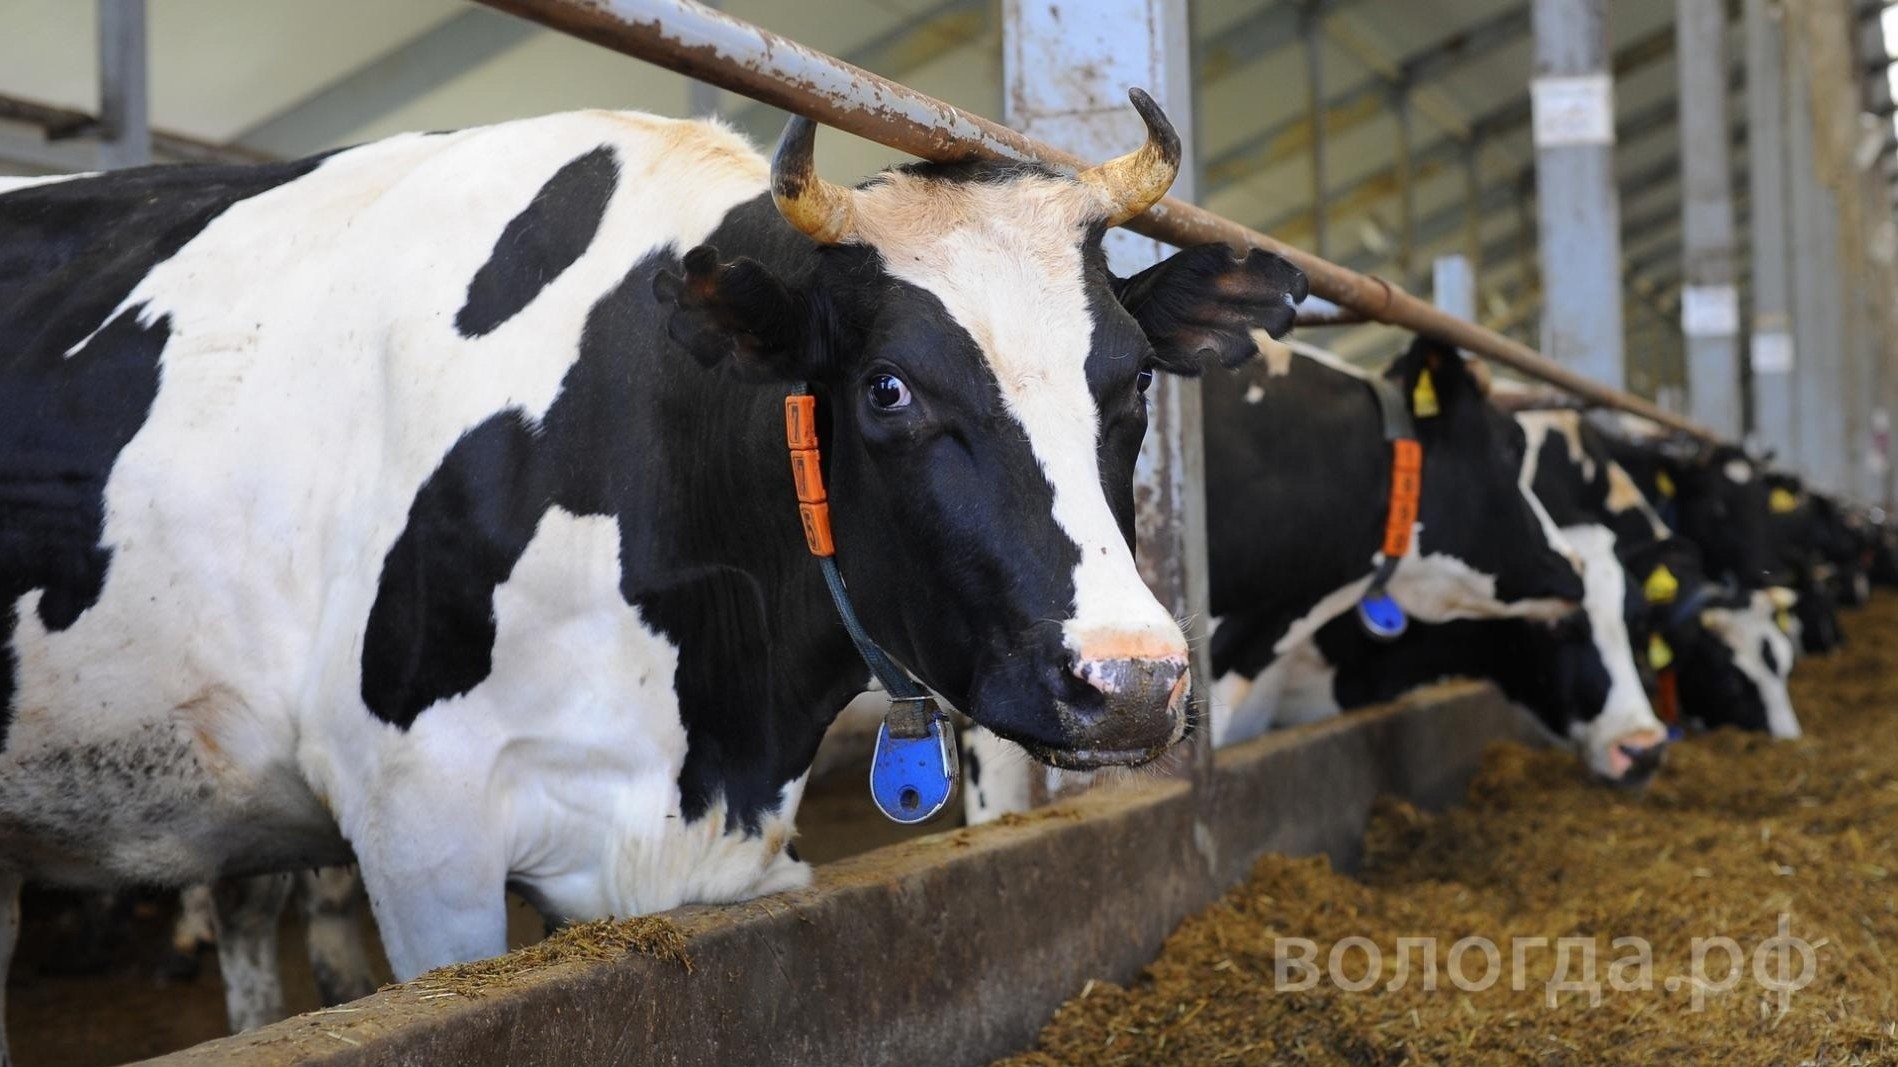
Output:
(951, 948)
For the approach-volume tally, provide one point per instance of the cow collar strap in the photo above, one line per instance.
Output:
(1661, 589)
(1379, 613)
(913, 771)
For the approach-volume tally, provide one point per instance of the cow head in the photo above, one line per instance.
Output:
(1723, 502)
(1739, 677)
(1621, 738)
(982, 381)
(1728, 655)
(1487, 545)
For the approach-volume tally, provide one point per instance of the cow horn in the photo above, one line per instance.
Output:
(1136, 181)
(826, 213)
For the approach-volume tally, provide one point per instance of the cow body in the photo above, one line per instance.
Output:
(320, 480)
(1303, 435)
(407, 504)
(1584, 678)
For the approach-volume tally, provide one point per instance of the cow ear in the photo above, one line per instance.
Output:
(1436, 378)
(737, 311)
(1205, 301)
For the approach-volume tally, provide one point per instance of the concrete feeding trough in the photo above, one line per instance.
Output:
(950, 948)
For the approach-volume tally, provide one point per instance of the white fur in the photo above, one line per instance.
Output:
(1626, 715)
(313, 380)
(1743, 631)
(10, 183)
(1004, 780)
(1007, 268)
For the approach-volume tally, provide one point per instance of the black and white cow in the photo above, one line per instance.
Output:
(447, 474)
(1579, 674)
(1717, 645)
(1713, 495)
(1301, 434)
(238, 918)
(1823, 559)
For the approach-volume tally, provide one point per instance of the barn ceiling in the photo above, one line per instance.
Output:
(288, 77)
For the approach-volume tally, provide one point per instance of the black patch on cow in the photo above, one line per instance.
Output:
(614, 442)
(541, 242)
(431, 630)
(74, 251)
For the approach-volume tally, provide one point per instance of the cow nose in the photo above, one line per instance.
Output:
(1143, 706)
(1636, 757)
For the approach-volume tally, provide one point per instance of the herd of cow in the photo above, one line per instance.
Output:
(424, 505)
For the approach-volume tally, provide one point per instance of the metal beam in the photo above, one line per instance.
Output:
(1364, 99)
(1069, 89)
(1290, 140)
(929, 34)
(1368, 190)
(64, 125)
(1578, 205)
(1315, 104)
(1405, 114)
(424, 63)
(1818, 335)
(1710, 302)
(1271, 26)
(125, 128)
(1771, 352)
(1508, 119)
(742, 57)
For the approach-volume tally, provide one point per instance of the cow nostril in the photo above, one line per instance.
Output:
(1130, 677)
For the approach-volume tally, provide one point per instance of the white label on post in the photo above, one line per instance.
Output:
(1772, 352)
(1710, 311)
(1573, 111)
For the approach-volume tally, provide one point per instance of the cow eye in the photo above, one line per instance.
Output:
(1144, 380)
(888, 392)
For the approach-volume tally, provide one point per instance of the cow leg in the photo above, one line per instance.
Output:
(9, 934)
(245, 917)
(332, 907)
(194, 932)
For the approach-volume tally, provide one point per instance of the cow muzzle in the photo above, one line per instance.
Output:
(1131, 711)
(1632, 760)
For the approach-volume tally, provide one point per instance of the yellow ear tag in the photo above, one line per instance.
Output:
(1782, 501)
(1423, 398)
(1659, 654)
(1664, 483)
(1661, 586)
(1785, 621)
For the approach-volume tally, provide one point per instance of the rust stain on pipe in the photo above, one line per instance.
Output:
(735, 55)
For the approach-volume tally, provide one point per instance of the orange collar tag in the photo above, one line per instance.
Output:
(1667, 698)
(1406, 487)
(807, 474)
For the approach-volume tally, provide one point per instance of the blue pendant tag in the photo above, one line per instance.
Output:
(912, 779)
(1382, 617)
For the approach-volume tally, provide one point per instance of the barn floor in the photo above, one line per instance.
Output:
(1737, 831)
(123, 1012)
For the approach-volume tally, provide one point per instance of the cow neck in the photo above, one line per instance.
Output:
(1377, 611)
(1667, 703)
(913, 772)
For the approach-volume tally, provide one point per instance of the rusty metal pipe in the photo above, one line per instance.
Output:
(743, 58)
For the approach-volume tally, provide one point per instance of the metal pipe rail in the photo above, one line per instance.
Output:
(64, 123)
(735, 55)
